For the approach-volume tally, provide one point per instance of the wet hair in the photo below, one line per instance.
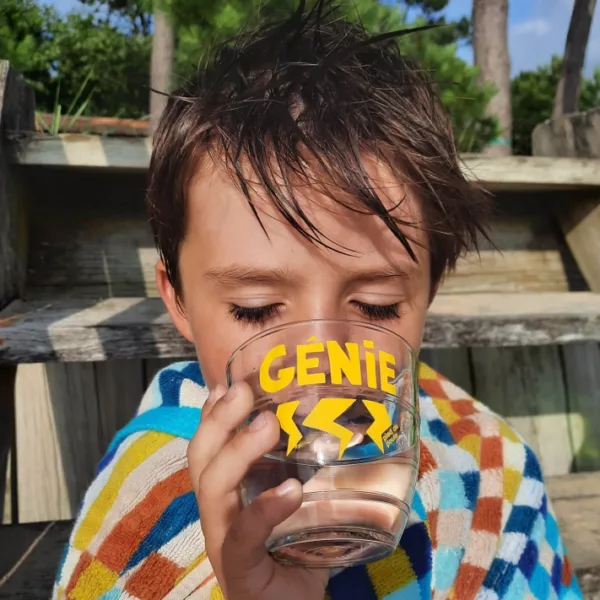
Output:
(304, 102)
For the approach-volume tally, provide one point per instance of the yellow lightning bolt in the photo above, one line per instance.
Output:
(323, 416)
(285, 415)
(381, 422)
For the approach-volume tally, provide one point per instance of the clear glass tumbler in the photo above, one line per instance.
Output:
(345, 395)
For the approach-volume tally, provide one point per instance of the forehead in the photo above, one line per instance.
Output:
(222, 226)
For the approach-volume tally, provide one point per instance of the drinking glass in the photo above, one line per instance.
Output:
(345, 395)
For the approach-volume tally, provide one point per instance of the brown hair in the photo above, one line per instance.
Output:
(315, 87)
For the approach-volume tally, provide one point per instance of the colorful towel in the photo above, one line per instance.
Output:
(481, 524)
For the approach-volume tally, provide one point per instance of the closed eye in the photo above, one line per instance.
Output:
(254, 315)
(257, 315)
(378, 312)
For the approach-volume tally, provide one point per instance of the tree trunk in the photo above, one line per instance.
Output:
(567, 92)
(161, 66)
(490, 46)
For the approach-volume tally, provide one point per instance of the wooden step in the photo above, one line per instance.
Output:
(88, 330)
(133, 154)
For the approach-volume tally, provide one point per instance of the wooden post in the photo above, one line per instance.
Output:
(17, 113)
(578, 136)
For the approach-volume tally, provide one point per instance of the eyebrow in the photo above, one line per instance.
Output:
(239, 275)
(381, 274)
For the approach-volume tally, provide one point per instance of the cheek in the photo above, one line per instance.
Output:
(216, 337)
(213, 347)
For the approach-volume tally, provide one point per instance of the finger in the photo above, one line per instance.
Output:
(218, 485)
(220, 480)
(215, 395)
(244, 550)
(216, 428)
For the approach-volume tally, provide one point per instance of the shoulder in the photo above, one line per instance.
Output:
(489, 516)
(461, 434)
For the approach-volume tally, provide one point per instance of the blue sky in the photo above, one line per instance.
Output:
(537, 29)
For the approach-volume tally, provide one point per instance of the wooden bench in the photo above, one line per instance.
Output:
(80, 316)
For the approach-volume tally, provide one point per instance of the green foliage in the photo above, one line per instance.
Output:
(112, 41)
(120, 65)
(26, 40)
(56, 55)
(532, 95)
(54, 126)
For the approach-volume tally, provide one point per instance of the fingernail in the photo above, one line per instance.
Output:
(287, 487)
(258, 423)
(219, 391)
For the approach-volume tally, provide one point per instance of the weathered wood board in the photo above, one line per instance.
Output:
(576, 499)
(43, 493)
(89, 242)
(453, 363)
(525, 386)
(133, 154)
(102, 246)
(581, 226)
(67, 418)
(17, 106)
(578, 135)
(140, 328)
(582, 379)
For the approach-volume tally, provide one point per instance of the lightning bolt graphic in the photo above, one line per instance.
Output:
(285, 415)
(381, 422)
(323, 416)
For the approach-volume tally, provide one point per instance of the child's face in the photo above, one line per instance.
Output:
(227, 261)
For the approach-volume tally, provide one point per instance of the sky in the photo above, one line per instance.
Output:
(537, 29)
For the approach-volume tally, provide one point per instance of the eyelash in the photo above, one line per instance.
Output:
(260, 314)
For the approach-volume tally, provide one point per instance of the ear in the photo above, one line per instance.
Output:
(174, 304)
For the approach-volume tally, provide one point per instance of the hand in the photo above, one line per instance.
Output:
(218, 459)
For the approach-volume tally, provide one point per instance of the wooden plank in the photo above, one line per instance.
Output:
(582, 378)
(578, 135)
(17, 110)
(88, 151)
(79, 330)
(17, 107)
(576, 499)
(43, 493)
(99, 248)
(524, 255)
(121, 385)
(76, 407)
(67, 414)
(525, 386)
(581, 226)
(122, 153)
(103, 247)
(33, 552)
(7, 432)
(7, 517)
(453, 363)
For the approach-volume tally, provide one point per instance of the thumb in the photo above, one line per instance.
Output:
(244, 547)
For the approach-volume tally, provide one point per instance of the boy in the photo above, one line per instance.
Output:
(310, 172)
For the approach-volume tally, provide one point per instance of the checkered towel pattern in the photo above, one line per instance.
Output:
(481, 525)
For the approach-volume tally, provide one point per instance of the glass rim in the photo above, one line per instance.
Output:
(294, 324)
